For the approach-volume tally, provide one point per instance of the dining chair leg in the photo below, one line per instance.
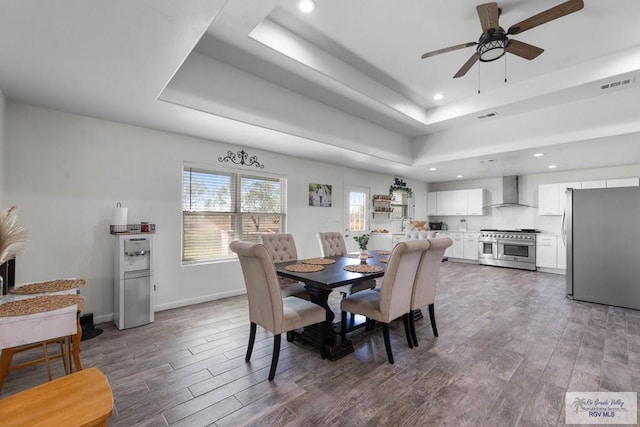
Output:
(407, 330)
(45, 350)
(387, 341)
(252, 339)
(65, 350)
(343, 326)
(432, 316)
(276, 355)
(5, 363)
(75, 345)
(412, 327)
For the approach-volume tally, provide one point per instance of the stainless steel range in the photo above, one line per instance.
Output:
(508, 248)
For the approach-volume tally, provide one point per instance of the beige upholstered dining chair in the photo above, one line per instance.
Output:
(282, 247)
(267, 307)
(424, 288)
(332, 244)
(394, 298)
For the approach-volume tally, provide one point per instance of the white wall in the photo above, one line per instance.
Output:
(65, 172)
(524, 217)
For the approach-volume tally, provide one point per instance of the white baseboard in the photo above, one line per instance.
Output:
(201, 299)
(464, 260)
(551, 270)
(182, 303)
(103, 319)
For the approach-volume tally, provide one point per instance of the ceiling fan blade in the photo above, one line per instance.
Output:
(467, 65)
(488, 14)
(448, 49)
(523, 50)
(548, 15)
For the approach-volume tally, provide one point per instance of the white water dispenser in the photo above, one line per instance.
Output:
(133, 291)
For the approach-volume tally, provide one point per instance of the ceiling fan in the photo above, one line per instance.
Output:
(494, 41)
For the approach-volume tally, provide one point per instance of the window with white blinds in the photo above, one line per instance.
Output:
(219, 207)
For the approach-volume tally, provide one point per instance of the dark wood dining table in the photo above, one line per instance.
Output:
(320, 284)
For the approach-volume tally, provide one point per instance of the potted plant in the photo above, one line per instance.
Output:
(363, 241)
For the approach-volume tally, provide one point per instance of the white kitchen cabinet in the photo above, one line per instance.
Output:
(552, 197)
(547, 251)
(432, 203)
(385, 241)
(562, 254)
(443, 203)
(380, 241)
(548, 199)
(470, 246)
(456, 202)
(600, 183)
(459, 202)
(475, 201)
(623, 182)
(457, 249)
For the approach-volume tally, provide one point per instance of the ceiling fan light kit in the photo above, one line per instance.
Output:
(494, 41)
(492, 46)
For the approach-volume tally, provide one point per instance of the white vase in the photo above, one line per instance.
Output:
(364, 255)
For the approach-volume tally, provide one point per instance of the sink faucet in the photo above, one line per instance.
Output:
(403, 226)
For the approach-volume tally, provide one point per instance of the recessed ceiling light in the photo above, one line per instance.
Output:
(538, 155)
(552, 166)
(459, 176)
(307, 6)
(433, 169)
(438, 96)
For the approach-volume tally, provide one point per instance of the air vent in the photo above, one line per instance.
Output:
(486, 116)
(618, 83)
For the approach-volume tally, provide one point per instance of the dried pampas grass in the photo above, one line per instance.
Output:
(12, 235)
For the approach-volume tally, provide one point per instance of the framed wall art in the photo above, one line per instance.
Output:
(319, 195)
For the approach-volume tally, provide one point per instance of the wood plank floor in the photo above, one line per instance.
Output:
(510, 346)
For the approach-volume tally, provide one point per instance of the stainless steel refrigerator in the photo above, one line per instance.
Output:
(602, 231)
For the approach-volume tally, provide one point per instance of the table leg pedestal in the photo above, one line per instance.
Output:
(334, 348)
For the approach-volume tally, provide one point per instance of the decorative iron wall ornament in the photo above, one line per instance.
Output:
(241, 158)
(400, 185)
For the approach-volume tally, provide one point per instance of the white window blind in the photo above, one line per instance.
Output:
(219, 207)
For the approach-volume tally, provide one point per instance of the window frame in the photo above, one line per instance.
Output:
(237, 215)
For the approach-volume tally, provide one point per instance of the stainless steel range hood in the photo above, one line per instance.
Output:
(510, 193)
